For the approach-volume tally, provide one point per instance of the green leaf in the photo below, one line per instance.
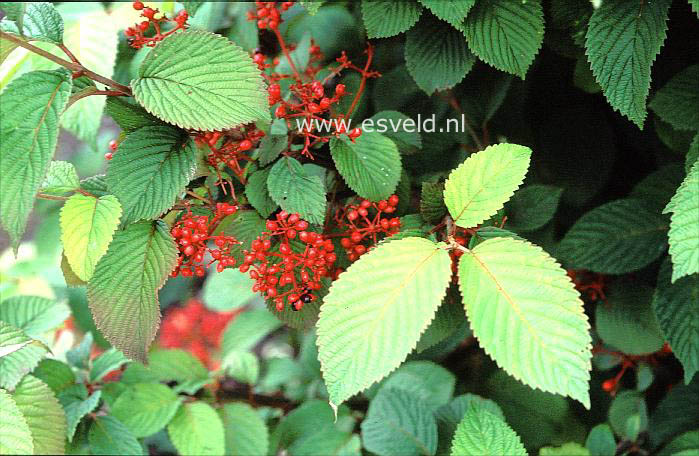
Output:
(614, 238)
(30, 110)
(432, 207)
(217, 77)
(105, 363)
(299, 56)
(87, 227)
(61, 178)
(693, 154)
(245, 226)
(413, 430)
(449, 416)
(197, 429)
(242, 366)
(270, 148)
(56, 374)
(296, 191)
(146, 408)
(19, 355)
(167, 366)
(676, 103)
(77, 406)
(600, 441)
(370, 166)
(192, 7)
(33, 314)
(657, 188)
(686, 444)
(532, 207)
(386, 18)
(506, 34)
(678, 412)
(141, 256)
(150, 170)
(35, 21)
(449, 317)
(393, 125)
(377, 310)
(43, 413)
(257, 194)
(108, 436)
(79, 356)
(482, 432)
(248, 329)
(675, 307)
(622, 41)
(482, 184)
(15, 436)
(684, 237)
(628, 415)
(129, 116)
(436, 55)
(452, 11)
(246, 433)
(424, 380)
(513, 287)
(567, 449)
(228, 290)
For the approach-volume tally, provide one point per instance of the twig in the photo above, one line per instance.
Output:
(51, 197)
(455, 104)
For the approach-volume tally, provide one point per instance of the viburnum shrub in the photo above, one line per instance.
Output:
(411, 227)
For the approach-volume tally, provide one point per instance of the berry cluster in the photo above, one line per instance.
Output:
(113, 144)
(193, 233)
(284, 269)
(611, 385)
(229, 148)
(136, 34)
(365, 223)
(268, 14)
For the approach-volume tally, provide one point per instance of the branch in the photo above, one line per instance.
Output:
(73, 66)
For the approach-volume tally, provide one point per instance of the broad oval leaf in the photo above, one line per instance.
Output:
(123, 292)
(15, 436)
(452, 11)
(200, 80)
(151, 168)
(676, 103)
(29, 113)
(377, 310)
(197, 429)
(146, 408)
(482, 184)
(87, 228)
(385, 18)
(44, 415)
(622, 41)
(526, 314)
(684, 235)
(246, 433)
(483, 432)
(371, 165)
(295, 190)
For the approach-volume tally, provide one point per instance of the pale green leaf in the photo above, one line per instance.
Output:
(105, 363)
(122, 293)
(242, 366)
(452, 11)
(246, 433)
(436, 55)
(217, 77)
(87, 227)
(109, 436)
(617, 237)
(15, 436)
(482, 184)
(146, 408)
(61, 178)
(44, 415)
(228, 290)
(197, 430)
(684, 235)
(622, 41)
(258, 195)
(35, 21)
(312, 6)
(386, 18)
(567, 449)
(424, 380)
(33, 314)
(79, 356)
(506, 34)
(449, 317)
(377, 310)
(19, 355)
(248, 329)
(482, 432)
(29, 112)
(296, 191)
(526, 314)
(150, 170)
(399, 423)
(173, 365)
(370, 166)
(677, 103)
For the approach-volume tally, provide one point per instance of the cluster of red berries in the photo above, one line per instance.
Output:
(229, 148)
(589, 284)
(284, 269)
(365, 223)
(193, 234)
(268, 14)
(135, 34)
(113, 144)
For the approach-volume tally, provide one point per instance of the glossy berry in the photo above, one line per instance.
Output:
(340, 90)
(137, 6)
(148, 13)
(113, 144)
(245, 145)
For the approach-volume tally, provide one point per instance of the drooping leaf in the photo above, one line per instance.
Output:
(142, 256)
(245, 226)
(34, 21)
(452, 11)
(482, 432)
(614, 238)
(622, 41)
(296, 191)
(29, 114)
(19, 354)
(370, 166)
(146, 408)
(676, 102)
(33, 314)
(684, 236)
(437, 55)
(246, 433)
(197, 429)
(217, 77)
(406, 416)
(480, 186)
(56, 374)
(386, 18)
(532, 207)
(258, 195)
(61, 178)
(109, 436)
(151, 168)
(15, 436)
(505, 34)
(87, 228)
(43, 413)
(384, 294)
(513, 287)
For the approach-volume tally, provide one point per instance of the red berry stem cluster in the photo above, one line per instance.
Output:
(136, 34)
(229, 148)
(363, 228)
(193, 234)
(267, 14)
(627, 362)
(282, 273)
(113, 144)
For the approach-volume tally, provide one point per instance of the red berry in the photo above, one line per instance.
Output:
(365, 204)
(352, 215)
(363, 212)
(293, 218)
(148, 12)
(340, 90)
(355, 133)
(144, 26)
(393, 200)
(609, 385)
(189, 250)
(262, 24)
(275, 90)
(356, 237)
(113, 144)
(280, 111)
(273, 24)
(324, 103)
(258, 58)
(108, 155)
(245, 144)
(137, 6)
